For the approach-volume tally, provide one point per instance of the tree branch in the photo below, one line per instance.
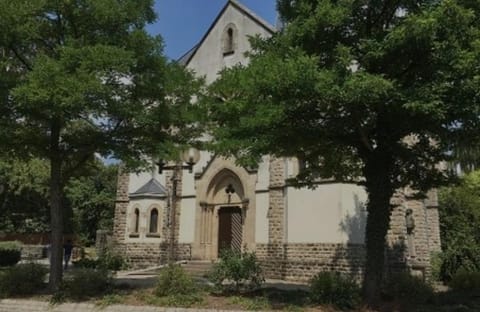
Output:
(20, 58)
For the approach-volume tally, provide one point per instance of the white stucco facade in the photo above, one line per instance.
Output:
(326, 214)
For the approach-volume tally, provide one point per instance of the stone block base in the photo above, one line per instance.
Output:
(144, 255)
(300, 262)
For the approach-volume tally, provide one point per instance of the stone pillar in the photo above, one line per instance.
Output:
(277, 201)
(412, 249)
(276, 256)
(121, 205)
(101, 242)
(174, 209)
(433, 220)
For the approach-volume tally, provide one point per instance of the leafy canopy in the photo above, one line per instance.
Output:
(79, 77)
(347, 79)
(381, 90)
(459, 209)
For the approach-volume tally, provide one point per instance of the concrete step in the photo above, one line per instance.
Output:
(197, 268)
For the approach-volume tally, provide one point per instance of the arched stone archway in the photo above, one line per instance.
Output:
(225, 216)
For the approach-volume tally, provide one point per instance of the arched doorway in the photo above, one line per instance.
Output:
(222, 215)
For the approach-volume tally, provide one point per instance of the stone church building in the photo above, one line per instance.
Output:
(294, 232)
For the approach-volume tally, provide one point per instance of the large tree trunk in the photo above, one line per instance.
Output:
(380, 191)
(56, 213)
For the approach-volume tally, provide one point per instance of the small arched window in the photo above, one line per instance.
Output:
(229, 47)
(153, 221)
(229, 38)
(136, 220)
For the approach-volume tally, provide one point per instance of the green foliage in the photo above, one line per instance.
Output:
(252, 304)
(436, 262)
(465, 281)
(241, 269)
(173, 280)
(188, 300)
(335, 288)
(10, 253)
(459, 208)
(409, 289)
(85, 283)
(108, 261)
(92, 200)
(379, 90)
(110, 299)
(86, 263)
(80, 79)
(22, 279)
(176, 288)
(112, 261)
(23, 195)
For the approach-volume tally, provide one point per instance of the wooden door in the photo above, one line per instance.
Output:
(229, 229)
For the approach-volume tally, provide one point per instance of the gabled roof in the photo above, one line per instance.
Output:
(152, 189)
(187, 57)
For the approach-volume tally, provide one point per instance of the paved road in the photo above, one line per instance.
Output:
(9, 305)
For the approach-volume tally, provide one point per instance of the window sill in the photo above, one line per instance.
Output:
(134, 235)
(228, 53)
(154, 235)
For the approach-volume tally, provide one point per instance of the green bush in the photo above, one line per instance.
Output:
(460, 216)
(23, 279)
(10, 253)
(175, 288)
(112, 261)
(86, 283)
(86, 263)
(173, 280)
(243, 270)
(109, 261)
(407, 288)
(465, 281)
(336, 289)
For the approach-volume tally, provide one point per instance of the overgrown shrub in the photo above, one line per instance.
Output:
(85, 283)
(336, 289)
(22, 279)
(175, 288)
(86, 263)
(460, 215)
(407, 288)
(465, 281)
(108, 261)
(241, 270)
(112, 261)
(10, 253)
(173, 280)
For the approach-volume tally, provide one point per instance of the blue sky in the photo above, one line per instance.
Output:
(182, 23)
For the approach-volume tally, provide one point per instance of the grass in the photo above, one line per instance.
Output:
(271, 299)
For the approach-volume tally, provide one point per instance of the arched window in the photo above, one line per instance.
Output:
(136, 220)
(229, 38)
(229, 46)
(153, 221)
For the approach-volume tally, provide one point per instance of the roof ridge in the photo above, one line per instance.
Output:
(259, 19)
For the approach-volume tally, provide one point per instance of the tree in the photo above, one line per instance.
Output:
(459, 208)
(92, 200)
(83, 77)
(24, 196)
(89, 197)
(369, 89)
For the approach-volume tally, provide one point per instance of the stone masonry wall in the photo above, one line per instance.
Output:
(300, 262)
(412, 251)
(144, 255)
